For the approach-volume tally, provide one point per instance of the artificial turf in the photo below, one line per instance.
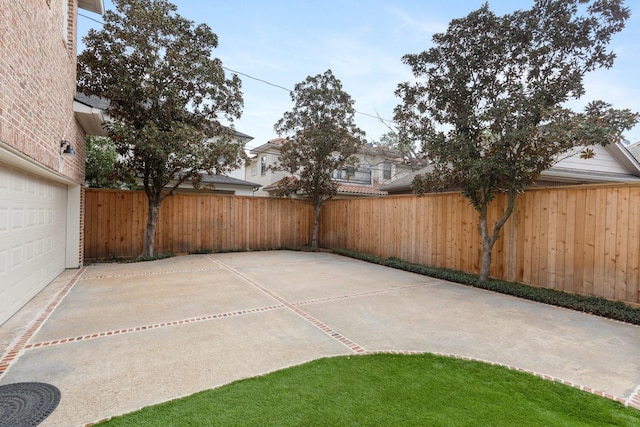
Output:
(388, 390)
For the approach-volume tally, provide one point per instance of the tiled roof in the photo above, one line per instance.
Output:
(359, 189)
(275, 185)
(342, 188)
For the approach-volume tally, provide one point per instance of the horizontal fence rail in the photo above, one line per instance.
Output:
(115, 222)
(581, 239)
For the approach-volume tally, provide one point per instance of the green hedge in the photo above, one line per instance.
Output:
(588, 304)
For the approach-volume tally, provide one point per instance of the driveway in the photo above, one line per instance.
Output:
(117, 337)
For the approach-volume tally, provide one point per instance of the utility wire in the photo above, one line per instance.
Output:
(92, 19)
(255, 78)
(289, 90)
(386, 121)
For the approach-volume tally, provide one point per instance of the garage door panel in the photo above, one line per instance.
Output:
(32, 236)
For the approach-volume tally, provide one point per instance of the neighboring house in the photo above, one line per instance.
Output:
(613, 163)
(377, 166)
(257, 169)
(42, 146)
(231, 184)
(221, 184)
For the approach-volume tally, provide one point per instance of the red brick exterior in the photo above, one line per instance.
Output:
(38, 82)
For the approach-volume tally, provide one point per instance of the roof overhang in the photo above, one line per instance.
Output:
(571, 176)
(95, 6)
(266, 149)
(91, 119)
(624, 156)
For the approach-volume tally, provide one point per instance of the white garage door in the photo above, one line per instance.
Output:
(32, 236)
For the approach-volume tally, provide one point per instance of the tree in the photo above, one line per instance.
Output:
(487, 103)
(166, 95)
(388, 139)
(322, 137)
(407, 148)
(101, 162)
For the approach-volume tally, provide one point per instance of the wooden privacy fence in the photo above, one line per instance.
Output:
(115, 221)
(582, 239)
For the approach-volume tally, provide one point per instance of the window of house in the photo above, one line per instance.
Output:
(350, 172)
(254, 170)
(386, 170)
(263, 165)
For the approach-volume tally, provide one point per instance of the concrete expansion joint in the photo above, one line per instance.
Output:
(303, 314)
(359, 294)
(244, 275)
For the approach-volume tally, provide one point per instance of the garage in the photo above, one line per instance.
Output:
(33, 235)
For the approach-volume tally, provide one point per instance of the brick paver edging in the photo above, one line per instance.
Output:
(306, 316)
(150, 273)
(22, 343)
(14, 351)
(633, 401)
(150, 327)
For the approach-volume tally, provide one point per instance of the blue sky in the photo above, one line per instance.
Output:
(362, 42)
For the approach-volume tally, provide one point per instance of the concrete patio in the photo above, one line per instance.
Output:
(117, 337)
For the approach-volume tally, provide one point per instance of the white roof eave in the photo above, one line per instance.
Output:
(92, 120)
(95, 6)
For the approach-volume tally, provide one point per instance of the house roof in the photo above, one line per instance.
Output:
(98, 103)
(628, 170)
(613, 163)
(95, 6)
(634, 149)
(276, 184)
(404, 183)
(360, 189)
(223, 179)
(92, 101)
(272, 144)
(342, 188)
(90, 113)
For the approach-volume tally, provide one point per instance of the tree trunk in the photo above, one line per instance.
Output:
(150, 232)
(316, 222)
(487, 248)
(488, 240)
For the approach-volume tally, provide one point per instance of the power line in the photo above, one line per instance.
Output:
(92, 19)
(262, 80)
(255, 78)
(289, 90)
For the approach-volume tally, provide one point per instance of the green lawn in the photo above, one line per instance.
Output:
(388, 390)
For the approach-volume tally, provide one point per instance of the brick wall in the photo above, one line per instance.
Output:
(37, 86)
(38, 82)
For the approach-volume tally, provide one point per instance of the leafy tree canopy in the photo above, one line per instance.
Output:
(487, 103)
(321, 137)
(388, 139)
(405, 147)
(100, 162)
(167, 94)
